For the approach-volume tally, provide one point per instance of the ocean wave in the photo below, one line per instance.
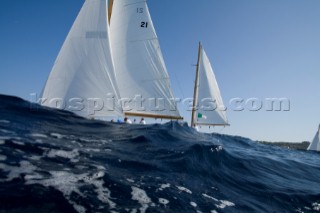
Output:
(55, 161)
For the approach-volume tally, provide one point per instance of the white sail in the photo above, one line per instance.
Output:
(142, 76)
(82, 79)
(315, 144)
(210, 108)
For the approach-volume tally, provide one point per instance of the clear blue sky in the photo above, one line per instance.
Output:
(259, 49)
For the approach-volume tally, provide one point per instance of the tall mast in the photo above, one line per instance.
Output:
(196, 87)
(110, 10)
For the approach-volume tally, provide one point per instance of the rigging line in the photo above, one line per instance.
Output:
(179, 85)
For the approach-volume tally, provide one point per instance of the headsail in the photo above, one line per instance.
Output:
(82, 79)
(315, 144)
(141, 72)
(208, 105)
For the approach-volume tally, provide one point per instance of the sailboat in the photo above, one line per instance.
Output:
(315, 144)
(208, 108)
(110, 58)
(141, 71)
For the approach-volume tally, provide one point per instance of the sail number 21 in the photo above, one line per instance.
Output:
(143, 23)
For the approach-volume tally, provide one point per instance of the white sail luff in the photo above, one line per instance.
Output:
(315, 144)
(141, 72)
(209, 101)
(83, 76)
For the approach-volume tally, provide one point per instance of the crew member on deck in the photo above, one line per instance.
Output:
(127, 120)
(196, 127)
(142, 121)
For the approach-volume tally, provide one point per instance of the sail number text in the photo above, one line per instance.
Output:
(139, 10)
(144, 24)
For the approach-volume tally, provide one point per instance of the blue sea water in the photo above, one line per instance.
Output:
(54, 161)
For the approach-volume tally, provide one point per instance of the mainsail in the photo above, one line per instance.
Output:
(142, 76)
(83, 79)
(315, 144)
(208, 107)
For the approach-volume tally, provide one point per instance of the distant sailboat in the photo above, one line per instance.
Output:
(208, 107)
(315, 144)
(98, 67)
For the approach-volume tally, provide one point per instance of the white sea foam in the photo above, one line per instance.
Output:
(300, 211)
(91, 140)
(38, 135)
(33, 177)
(35, 158)
(316, 206)
(218, 148)
(57, 135)
(106, 141)
(4, 138)
(2, 142)
(99, 167)
(213, 211)
(79, 208)
(181, 188)
(93, 150)
(163, 201)
(130, 180)
(75, 143)
(7, 131)
(142, 197)
(69, 183)
(39, 141)
(164, 186)
(104, 194)
(221, 203)
(224, 203)
(25, 167)
(18, 143)
(193, 204)
(212, 198)
(4, 121)
(86, 140)
(64, 154)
